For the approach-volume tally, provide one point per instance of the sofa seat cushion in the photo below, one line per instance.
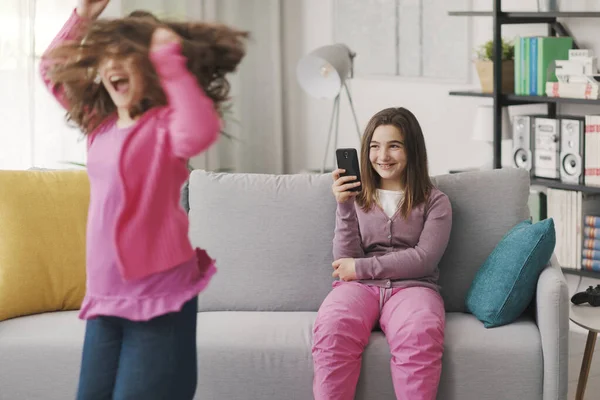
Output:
(504, 363)
(40, 356)
(267, 355)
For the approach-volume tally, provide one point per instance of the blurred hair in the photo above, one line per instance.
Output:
(212, 51)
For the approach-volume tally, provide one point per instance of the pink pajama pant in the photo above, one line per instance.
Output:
(412, 320)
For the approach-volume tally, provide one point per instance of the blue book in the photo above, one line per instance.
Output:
(533, 53)
(591, 244)
(591, 254)
(590, 265)
(592, 220)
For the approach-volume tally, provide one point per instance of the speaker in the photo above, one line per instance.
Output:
(546, 149)
(572, 150)
(522, 155)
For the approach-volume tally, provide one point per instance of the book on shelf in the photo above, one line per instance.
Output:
(591, 174)
(590, 253)
(591, 244)
(565, 208)
(573, 90)
(533, 57)
(592, 221)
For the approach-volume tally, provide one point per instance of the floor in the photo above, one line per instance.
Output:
(577, 339)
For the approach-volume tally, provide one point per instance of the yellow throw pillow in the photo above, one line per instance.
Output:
(43, 216)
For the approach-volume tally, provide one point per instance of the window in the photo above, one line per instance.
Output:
(33, 130)
(408, 38)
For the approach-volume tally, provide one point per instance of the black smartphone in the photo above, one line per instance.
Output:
(347, 159)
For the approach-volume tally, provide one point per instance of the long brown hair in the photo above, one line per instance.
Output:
(415, 177)
(212, 51)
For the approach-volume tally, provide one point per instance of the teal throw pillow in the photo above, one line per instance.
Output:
(506, 282)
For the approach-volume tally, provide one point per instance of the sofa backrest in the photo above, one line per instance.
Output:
(271, 235)
(485, 205)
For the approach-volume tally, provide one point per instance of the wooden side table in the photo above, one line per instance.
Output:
(587, 317)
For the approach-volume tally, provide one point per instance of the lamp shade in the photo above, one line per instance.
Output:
(483, 129)
(322, 72)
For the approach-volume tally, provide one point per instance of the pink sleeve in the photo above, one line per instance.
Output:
(194, 124)
(346, 239)
(421, 260)
(70, 31)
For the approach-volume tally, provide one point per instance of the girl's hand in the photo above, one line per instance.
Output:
(345, 269)
(162, 37)
(91, 9)
(340, 186)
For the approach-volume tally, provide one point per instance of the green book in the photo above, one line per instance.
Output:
(526, 67)
(518, 56)
(549, 50)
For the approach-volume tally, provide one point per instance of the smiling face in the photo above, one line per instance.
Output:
(122, 82)
(387, 156)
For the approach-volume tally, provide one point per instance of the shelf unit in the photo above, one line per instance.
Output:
(500, 100)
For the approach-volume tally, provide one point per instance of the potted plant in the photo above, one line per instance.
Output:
(485, 66)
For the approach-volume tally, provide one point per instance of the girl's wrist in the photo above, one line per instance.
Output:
(84, 14)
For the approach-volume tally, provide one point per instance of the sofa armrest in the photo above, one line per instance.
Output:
(552, 317)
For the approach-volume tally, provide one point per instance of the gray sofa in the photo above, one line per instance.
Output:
(271, 236)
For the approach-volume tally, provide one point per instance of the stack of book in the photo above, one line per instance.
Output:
(590, 256)
(574, 90)
(533, 56)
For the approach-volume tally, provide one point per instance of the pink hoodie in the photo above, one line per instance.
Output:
(151, 233)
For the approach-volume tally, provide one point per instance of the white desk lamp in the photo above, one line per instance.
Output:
(323, 73)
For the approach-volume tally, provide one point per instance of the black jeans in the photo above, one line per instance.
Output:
(150, 360)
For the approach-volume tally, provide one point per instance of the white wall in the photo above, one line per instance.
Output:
(446, 120)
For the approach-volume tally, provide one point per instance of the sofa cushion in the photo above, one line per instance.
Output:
(485, 205)
(272, 234)
(40, 356)
(271, 237)
(43, 218)
(506, 282)
(267, 355)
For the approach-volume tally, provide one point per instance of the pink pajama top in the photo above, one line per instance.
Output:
(140, 262)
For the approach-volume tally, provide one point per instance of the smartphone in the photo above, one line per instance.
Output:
(347, 159)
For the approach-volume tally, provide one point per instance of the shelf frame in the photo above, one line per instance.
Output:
(501, 18)
(555, 184)
(581, 272)
(535, 17)
(515, 99)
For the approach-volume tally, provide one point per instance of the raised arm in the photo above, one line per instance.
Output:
(194, 124)
(421, 260)
(72, 30)
(346, 240)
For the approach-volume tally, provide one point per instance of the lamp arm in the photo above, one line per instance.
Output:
(334, 114)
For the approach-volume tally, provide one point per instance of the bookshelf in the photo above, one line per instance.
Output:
(500, 99)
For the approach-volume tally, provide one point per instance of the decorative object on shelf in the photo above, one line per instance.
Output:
(548, 5)
(485, 66)
(323, 74)
(483, 129)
